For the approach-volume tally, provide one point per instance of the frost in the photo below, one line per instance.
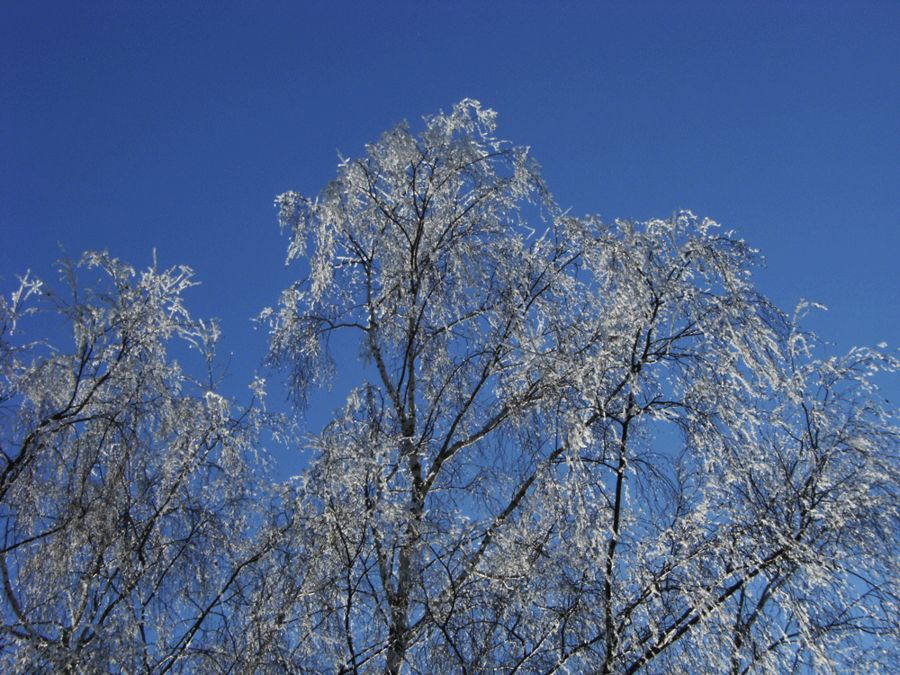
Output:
(570, 445)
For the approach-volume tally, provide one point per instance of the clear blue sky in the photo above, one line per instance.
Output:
(172, 125)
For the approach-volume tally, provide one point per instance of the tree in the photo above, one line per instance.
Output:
(573, 446)
(577, 445)
(126, 486)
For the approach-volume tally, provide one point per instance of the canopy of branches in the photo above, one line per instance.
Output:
(574, 446)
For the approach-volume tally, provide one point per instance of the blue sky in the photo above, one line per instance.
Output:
(129, 126)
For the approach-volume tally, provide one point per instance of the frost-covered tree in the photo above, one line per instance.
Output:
(574, 446)
(126, 492)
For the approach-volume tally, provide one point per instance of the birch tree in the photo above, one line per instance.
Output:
(126, 485)
(569, 445)
(574, 445)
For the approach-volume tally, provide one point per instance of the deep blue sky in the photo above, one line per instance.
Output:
(130, 126)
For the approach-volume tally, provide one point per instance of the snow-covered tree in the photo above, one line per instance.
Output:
(574, 446)
(126, 486)
(571, 446)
